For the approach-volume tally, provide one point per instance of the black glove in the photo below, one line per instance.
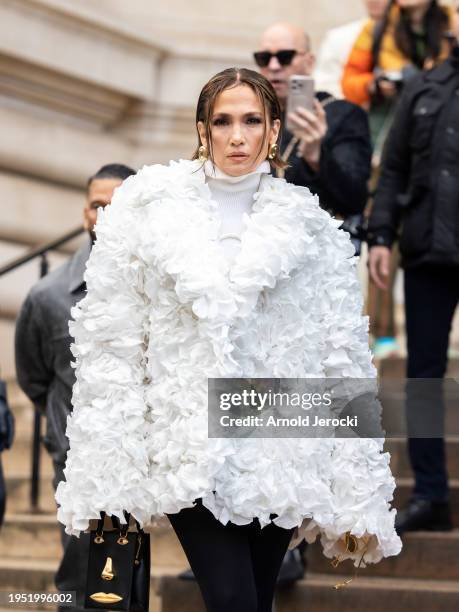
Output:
(6, 420)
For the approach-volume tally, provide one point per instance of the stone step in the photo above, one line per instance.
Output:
(18, 459)
(23, 533)
(16, 397)
(425, 555)
(24, 422)
(317, 594)
(27, 574)
(400, 464)
(18, 494)
(395, 367)
(41, 533)
(23, 411)
(32, 576)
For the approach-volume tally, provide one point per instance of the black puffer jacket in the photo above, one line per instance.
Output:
(417, 199)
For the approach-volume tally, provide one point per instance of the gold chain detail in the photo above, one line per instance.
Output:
(351, 547)
(139, 540)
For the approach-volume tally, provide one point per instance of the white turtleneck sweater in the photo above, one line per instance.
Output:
(234, 197)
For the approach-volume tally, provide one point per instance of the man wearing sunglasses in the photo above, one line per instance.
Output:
(329, 151)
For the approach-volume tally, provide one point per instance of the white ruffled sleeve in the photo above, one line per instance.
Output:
(362, 484)
(107, 461)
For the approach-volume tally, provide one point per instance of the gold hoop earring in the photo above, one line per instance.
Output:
(203, 155)
(272, 151)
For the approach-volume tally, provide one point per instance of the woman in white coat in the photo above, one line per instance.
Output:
(213, 268)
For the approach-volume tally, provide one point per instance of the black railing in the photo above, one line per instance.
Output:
(41, 252)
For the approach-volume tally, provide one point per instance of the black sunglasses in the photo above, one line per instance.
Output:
(284, 57)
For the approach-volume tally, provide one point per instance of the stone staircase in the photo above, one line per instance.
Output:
(423, 578)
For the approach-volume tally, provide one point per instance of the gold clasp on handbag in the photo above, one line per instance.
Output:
(123, 536)
(99, 539)
(107, 572)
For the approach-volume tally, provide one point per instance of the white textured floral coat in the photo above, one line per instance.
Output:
(164, 311)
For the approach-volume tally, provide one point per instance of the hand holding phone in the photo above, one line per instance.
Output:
(306, 119)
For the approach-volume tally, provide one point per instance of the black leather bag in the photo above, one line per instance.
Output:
(118, 576)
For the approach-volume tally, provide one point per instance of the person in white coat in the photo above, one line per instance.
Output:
(336, 47)
(214, 268)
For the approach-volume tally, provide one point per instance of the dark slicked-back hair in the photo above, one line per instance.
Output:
(226, 79)
(111, 171)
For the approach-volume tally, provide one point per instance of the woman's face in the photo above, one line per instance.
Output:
(237, 127)
(376, 8)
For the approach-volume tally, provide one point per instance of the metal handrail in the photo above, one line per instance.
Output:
(49, 246)
(41, 252)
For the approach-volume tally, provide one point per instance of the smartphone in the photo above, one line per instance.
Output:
(300, 93)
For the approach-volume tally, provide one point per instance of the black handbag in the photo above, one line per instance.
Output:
(118, 576)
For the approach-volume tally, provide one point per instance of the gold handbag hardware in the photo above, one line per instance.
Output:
(106, 598)
(107, 572)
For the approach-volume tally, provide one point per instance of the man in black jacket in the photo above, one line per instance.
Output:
(331, 150)
(419, 191)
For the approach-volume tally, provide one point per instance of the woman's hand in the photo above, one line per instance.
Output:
(379, 265)
(311, 129)
(387, 88)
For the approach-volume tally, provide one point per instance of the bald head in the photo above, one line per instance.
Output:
(282, 37)
(289, 35)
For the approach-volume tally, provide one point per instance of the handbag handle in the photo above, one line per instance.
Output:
(99, 537)
(127, 516)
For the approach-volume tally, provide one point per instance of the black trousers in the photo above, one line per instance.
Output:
(236, 566)
(431, 297)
